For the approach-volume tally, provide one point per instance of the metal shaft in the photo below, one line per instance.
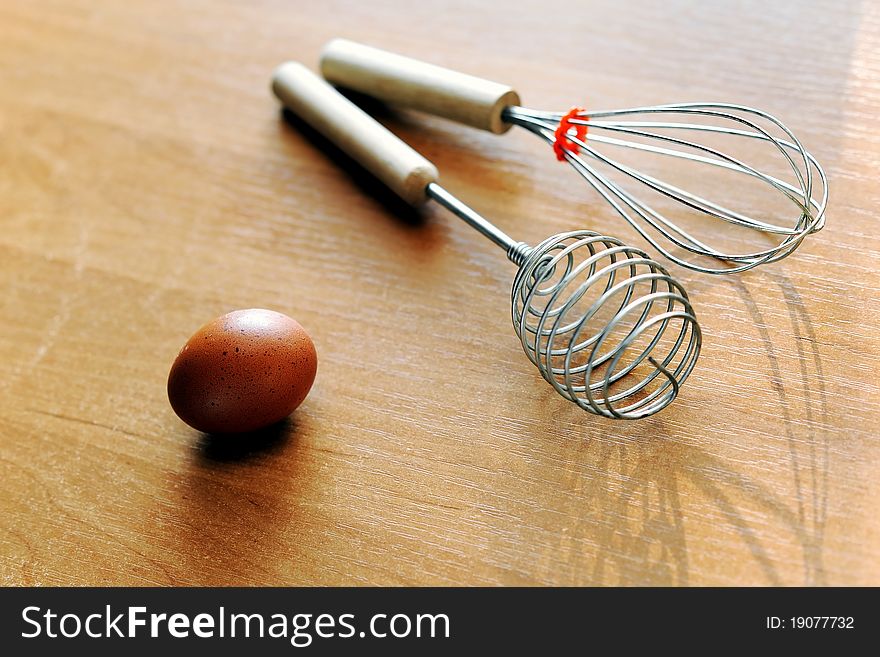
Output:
(471, 217)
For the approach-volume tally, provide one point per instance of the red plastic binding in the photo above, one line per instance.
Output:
(566, 130)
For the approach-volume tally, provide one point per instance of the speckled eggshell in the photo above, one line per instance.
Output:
(241, 372)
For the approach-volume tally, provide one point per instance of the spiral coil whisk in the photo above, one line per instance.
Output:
(671, 131)
(605, 362)
(605, 325)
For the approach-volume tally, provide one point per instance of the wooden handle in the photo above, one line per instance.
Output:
(410, 83)
(394, 163)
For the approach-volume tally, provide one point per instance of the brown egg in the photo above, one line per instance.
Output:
(243, 371)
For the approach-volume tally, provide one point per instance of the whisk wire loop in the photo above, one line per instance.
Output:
(674, 136)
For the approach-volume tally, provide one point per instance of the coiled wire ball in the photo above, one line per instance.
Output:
(605, 325)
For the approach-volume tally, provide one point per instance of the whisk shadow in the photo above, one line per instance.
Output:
(813, 392)
(366, 182)
(640, 478)
(658, 537)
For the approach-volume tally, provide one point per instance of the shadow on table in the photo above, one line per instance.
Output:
(636, 494)
(809, 471)
(226, 448)
(235, 499)
(365, 181)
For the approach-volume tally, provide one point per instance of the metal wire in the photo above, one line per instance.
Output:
(605, 325)
(626, 362)
(671, 132)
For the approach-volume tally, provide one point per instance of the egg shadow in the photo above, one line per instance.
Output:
(236, 504)
(235, 447)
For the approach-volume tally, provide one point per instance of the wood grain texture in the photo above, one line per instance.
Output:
(149, 183)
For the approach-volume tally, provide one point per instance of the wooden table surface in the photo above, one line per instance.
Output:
(149, 183)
